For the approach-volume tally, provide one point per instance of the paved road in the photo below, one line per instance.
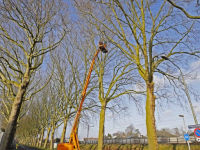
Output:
(26, 148)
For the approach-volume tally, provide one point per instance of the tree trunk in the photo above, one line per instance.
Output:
(101, 127)
(64, 131)
(47, 137)
(35, 140)
(41, 138)
(52, 138)
(150, 117)
(38, 141)
(12, 123)
(26, 140)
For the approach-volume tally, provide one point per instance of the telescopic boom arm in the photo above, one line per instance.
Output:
(73, 142)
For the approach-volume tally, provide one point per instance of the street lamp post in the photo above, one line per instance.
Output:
(182, 116)
(88, 132)
(185, 129)
(186, 89)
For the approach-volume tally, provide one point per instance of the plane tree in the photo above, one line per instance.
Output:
(186, 12)
(113, 72)
(57, 103)
(29, 128)
(28, 30)
(71, 65)
(114, 80)
(42, 108)
(39, 111)
(44, 115)
(132, 131)
(143, 31)
(33, 125)
(66, 82)
(6, 100)
(55, 113)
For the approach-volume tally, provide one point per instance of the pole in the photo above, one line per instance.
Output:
(186, 89)
(88, 133)
(187, 93)
(184, 125)
(186, 132)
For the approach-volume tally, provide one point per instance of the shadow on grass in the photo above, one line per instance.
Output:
(137, 147)
(119, 147)
(123, 147)
(141, 147)
(174, 146)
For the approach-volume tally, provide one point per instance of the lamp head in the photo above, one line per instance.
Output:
(164, 57)
(181, 115)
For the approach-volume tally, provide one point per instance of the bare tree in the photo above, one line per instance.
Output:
(65, 80)
(28, 30)
(56, 114)
(46, 106)
(114, 80)
(119, 134)
(70, 74)
(113, 72)
(6, 101)
(43, 114)
(184, 10)
(142, 34)
(29, 127)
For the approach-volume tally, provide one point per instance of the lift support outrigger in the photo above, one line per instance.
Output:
(73, 141)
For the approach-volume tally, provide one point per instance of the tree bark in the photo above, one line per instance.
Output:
(12, 123)
(47, 137)
(41, 138)
(150, 117)
(38, 141)
(26, 140)
(35, 141)
(64, 131)
(101, 127)
(52, 138)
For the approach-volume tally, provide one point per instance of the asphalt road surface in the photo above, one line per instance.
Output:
(20, 147)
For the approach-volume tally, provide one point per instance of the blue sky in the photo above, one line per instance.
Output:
(169, 118)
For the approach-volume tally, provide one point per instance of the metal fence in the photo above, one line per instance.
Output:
(166, 140)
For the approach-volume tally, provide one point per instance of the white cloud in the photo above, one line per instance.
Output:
(158, 80)
(168, 111)
(109, 115)
(195, 64)
(196, 107)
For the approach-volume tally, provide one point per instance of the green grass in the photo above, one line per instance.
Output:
(140, 147)
(135, 147)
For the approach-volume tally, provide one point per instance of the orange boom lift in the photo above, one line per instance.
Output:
(73, 141)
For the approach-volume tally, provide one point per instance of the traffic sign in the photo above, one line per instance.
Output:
(197, 132)
(194, 126)
(198, 139)
(186, 137)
